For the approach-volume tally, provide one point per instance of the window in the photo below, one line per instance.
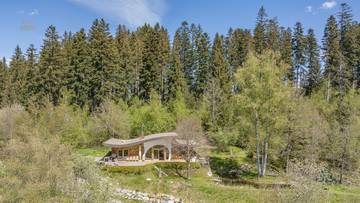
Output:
(125, 152)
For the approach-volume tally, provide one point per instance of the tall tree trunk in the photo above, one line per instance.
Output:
(257, 125)
(265, 155)
(328, 89)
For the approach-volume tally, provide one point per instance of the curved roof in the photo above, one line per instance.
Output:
(113, 142)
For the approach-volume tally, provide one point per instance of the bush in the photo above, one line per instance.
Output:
(168, 166)
(177, 165)
(129, 169)
(228, 167)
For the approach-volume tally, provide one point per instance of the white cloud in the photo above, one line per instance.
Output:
(134, 12)
(34, 12)
(309, 9)
(328, 4)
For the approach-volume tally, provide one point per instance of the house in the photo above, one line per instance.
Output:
(156, 147)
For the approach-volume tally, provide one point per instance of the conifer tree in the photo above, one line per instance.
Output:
(79, 69)
(135, 63)
(106, 75)
(175, 82)
(260, 31)
(163, 57)
(286, 52)
(238, 48)
(122, 41)
(331, 54)
(17, 78)
(186, 53)
(348, 43)
(273, 35)
(219, 67)
(148, 75)
(202, 74)
(50, 74)
(312, 62)
(298, 45)
(31, 66)
(2, 81)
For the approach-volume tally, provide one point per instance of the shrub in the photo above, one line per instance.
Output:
(129, 169)
(228, 167)
(177, 165)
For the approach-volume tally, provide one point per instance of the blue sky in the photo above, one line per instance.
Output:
(24, 21)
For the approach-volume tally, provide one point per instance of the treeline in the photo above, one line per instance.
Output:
(265, 90)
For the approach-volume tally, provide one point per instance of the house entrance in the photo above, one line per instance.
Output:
(157, 153)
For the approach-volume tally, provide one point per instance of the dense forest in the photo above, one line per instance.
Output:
(274, 91)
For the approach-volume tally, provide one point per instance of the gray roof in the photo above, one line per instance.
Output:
(113, 142)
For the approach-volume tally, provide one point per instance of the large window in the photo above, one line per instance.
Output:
(123, 153)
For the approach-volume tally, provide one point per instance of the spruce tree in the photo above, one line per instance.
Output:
(79, 69)
(260, 31)
(312, 63)
(331, 54)
(186, 53)
(17, 76)
(106, 75)
(31, 66)
(50, 74)
(298, 46)
(122, 41)
(273, 35)
(202, 74)
(238, 48)
(286, 52)
(135, 63)
(219, 66)
(2, 81)
(175, 81)
(348, 43)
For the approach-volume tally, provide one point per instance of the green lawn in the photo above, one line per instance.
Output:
(93, 152)
(201, 188)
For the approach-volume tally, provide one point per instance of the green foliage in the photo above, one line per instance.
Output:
(150, 118)
(177, 165)
(229, 167)
(129, 169)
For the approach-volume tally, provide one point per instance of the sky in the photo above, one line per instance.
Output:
(25, 21)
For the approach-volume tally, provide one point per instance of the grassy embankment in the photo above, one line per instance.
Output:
(201, 188)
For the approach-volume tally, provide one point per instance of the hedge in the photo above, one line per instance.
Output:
(178, 166)
(129, 169)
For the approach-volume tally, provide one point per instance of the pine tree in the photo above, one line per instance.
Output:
(202, 74)
(286, 52)
(151, 72)
(186, 53)
(106, 76)
(135, 63)
(312, 62)
(50, 74)
(219, 67)
(260, 31)
(122, 41)
(238, 48)
(163, 57)
(175, 81)
(348, 43)
(331, 54)
(298, 45)
(17, 78)
(79, 69)
(2, 81)
(31, 66)
(273, 35)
